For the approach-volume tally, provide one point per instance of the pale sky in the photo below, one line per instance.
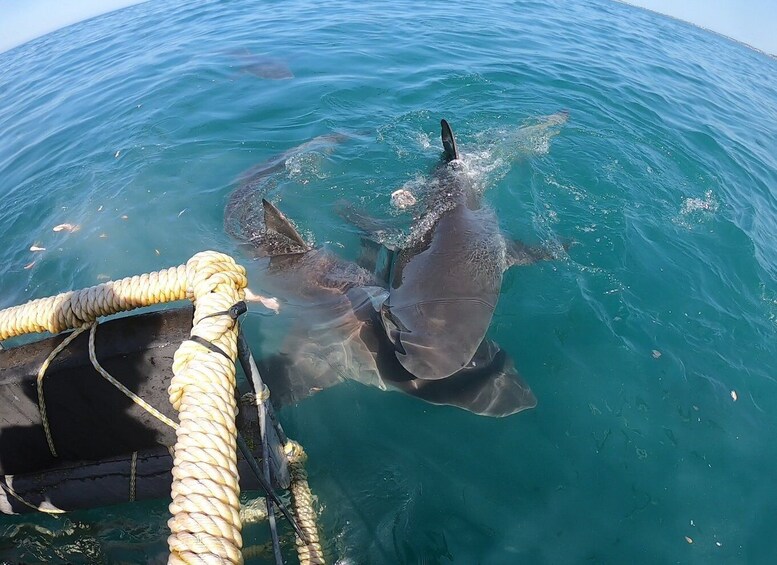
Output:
(23, 20)
(751, 21)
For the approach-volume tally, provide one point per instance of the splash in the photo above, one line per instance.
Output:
(697, 210)
(708, 204)
(305, 166)
(577, 193)
(477, 169)
(500, 148)
(769, 298)
(305, 162)
(424, 141)
(529, 140)
(484, 168)
(410, 193)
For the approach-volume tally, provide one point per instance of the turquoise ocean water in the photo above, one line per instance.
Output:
(651, 345)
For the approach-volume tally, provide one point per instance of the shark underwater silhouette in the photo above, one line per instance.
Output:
(411, 318)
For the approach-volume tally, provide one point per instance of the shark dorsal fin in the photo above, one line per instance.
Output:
(274, 220)
(449, 142)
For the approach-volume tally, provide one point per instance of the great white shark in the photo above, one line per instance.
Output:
(345, 336)
(444, 283)
(341, 336)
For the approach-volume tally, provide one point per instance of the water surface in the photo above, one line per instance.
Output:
(650, 345)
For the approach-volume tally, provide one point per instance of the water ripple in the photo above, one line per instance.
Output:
(138, 124)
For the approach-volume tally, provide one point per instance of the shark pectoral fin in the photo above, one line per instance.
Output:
(519, 253)
(329, 344)
(448, 141)
(496, 397)
(376, 258)
(488, 386)
(274, 220)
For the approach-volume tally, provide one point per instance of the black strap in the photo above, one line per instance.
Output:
(210, 345)
(234, 312)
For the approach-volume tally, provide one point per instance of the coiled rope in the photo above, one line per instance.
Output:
(206, 511)
(309, 552)
(73, 309)
(206, 523)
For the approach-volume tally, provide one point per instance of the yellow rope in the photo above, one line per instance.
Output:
(9, 489)
(206, 523)
(302, 501)
(72, 309)
(41, 372)
(134, 397)
(253, 511)
(133, 472)
(253, 399)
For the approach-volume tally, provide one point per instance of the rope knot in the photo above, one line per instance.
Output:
(294, 452)
(208, 270)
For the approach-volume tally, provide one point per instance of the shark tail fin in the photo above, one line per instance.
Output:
(449, 142)
(275, 221)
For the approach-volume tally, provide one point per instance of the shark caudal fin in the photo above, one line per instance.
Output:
(449, 142)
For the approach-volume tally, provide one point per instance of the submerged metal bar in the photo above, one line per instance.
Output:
(243, 446)
(263, 408)
(276, 543)
(252, 371)
(276, 438)
(276, 424)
